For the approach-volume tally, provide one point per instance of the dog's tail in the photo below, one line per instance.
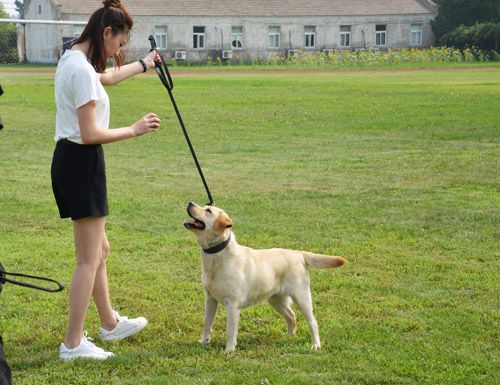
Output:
(321, 261)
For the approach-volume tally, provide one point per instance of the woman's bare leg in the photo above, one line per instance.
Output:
(101, 290)
(89, 234)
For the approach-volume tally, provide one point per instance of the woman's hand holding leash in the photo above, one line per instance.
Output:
(148, 123)
(151, 59)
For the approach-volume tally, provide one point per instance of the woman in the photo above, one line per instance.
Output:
(78, 171)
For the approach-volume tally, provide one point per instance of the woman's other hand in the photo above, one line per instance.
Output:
(148, 123)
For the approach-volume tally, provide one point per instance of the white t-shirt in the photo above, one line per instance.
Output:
(76, 84)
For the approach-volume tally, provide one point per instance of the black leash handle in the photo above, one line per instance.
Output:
(164, 75)
(4, 279)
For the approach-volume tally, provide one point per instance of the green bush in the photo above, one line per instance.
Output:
(485, 36)
(8, 42)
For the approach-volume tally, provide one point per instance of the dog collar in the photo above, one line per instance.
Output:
(219, 247)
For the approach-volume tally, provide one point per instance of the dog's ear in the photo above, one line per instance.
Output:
(223, 222)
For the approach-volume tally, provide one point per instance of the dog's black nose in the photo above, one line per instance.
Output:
(190, 206)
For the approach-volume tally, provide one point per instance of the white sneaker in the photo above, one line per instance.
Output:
(86, 349)
(123, 329)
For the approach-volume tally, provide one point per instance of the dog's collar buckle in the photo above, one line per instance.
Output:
(219, 247)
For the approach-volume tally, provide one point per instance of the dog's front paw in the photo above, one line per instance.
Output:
(316, 347)
(230, 349)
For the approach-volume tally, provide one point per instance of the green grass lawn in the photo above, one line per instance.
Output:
(398, 172)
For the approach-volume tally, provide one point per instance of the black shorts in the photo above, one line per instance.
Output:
(79, 180)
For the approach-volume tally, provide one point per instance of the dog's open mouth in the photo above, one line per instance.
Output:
(198, 225)
(194, 224)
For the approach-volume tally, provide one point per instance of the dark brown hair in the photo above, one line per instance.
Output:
(113, 14)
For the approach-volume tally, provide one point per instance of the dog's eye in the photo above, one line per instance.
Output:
(208, 211)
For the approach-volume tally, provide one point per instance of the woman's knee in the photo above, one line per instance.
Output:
(88, 263)
(97, 260)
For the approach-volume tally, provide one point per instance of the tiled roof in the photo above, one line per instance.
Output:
(257, 7)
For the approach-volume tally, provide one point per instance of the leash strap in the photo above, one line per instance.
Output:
(4, 279)
(164, 75)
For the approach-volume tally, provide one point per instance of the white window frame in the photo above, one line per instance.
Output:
(161, 36)
(199, 40)
(236, 35)
(381, 35)
(274, 36)
(345, 36)
(310, 36)
(416, 35)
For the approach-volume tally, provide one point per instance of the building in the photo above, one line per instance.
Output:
(194, 30)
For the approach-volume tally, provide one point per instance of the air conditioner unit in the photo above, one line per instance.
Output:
(327, 51)
(292, 52)
(227, 54)
(180, 55)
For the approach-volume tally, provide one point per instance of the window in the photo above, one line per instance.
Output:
(380, 34)
(161, 36)
(78, 30)
(310, 36)
(274, 37)
(237, 37)
(345, 35)
(416, 35)
(39, 9)
(199, 37)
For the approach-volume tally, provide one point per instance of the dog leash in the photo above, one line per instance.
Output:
(4, 279)
(164, 75)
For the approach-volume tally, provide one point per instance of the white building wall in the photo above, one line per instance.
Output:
(255, 33)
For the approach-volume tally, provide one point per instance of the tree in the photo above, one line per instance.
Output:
(20, 8)
(454, 13)
(485, 36)
(8, 39)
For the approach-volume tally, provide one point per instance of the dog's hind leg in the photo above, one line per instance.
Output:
(304, 302)
(282, 304)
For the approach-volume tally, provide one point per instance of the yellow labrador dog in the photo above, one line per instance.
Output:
(238, 276)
